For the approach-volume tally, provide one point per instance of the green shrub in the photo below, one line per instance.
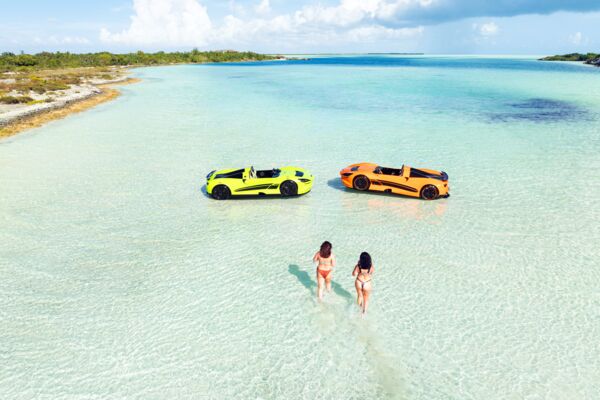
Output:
(572, 57)
(46, 60)
(15, 99)
(41, 86)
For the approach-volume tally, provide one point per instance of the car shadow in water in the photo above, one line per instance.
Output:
(338, 185)
(306, 281)
(204, 192)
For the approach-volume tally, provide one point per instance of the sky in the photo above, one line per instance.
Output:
(535, 27)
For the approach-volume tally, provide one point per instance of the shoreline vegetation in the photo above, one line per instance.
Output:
(38, 88)
(589, 58)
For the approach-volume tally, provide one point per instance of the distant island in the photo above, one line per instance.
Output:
(589, 58)
(396, 54)
(36, 88)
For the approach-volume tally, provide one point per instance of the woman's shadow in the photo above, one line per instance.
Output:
(306, 281)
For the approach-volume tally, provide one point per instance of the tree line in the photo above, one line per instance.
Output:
(48, 60)
(572, 57)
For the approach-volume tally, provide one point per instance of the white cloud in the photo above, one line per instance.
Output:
(378, 32)
(121, 7)
(236, 8)
(264, 7)
(166, 22)
(577, 38)
(187, 23)
(61, 40)
(74, 40)
(350, 12)
(488, 29)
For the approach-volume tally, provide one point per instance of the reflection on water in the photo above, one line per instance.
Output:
(407, 209)
(392, 205)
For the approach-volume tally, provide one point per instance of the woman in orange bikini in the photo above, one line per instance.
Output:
(325, 262)
(364, 275)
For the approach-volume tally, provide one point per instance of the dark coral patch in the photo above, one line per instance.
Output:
(541, 110)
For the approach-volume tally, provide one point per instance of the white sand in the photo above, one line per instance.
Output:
(59, 99)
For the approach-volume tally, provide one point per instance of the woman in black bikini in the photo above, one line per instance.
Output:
(364, 275)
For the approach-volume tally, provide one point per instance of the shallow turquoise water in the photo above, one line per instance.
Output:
(119, 278)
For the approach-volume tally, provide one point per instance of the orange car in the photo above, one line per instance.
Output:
(424, 183)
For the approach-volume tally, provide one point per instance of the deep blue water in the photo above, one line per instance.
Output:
(470, 62)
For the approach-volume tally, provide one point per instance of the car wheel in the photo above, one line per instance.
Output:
(288, 188)
(429, 192)
(361, 183)
(221, 192)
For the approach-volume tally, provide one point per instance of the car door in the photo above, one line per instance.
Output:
(266, 185)
(254, 185)
(406, 184)
(271, 181)
(399, 184)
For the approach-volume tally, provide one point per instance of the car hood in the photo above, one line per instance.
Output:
(365, 166)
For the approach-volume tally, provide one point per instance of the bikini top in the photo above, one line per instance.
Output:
(360, 270)
(325, 262)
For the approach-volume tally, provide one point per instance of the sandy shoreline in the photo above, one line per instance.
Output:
(77, 98)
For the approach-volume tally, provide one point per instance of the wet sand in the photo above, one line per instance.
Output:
(80, 99)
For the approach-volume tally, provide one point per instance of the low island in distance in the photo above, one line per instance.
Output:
(588, 58)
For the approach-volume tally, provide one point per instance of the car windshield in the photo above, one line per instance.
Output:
(237, 174)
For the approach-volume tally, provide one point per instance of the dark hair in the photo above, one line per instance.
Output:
(364, 262)
(325, 251)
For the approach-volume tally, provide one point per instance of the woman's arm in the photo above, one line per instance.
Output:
(372, 269)
(355, 270)
(332, 261)
(316, 257)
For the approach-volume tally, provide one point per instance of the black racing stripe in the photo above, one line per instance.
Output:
(417, 173)
(256, 187)
(253, 187)
(399, 186)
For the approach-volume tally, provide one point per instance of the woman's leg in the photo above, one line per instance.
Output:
(320, 284)
(328, 281)
(366, 292)
(359, 295)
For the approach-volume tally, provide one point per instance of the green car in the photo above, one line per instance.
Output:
(284, 181)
